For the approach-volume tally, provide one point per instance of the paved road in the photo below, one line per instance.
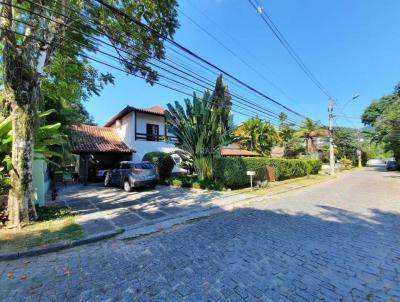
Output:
(338, 240)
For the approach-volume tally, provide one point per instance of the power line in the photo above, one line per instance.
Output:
(235, 54)
(188, 51)
(142, 77)
(271, 25)
(239, 99)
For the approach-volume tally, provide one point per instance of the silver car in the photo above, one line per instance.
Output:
(132, 175)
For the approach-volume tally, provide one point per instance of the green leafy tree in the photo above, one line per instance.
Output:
(34, 33)
(257, 135)
(286, 129)
(388, 127)
(201, 128)
(375, 110)
(347, 141)
(308, 131)
(384, 116)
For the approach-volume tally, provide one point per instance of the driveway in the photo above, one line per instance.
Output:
(334, 241)
(104, 209)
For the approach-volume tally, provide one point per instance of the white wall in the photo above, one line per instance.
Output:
(127, 129)
(127, 133)
(143, 147)
(143, 119)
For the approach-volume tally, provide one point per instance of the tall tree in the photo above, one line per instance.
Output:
(221, 102)
(34, 32)
(384, 116)
(286, 129)
(347, 142)
(257, 135)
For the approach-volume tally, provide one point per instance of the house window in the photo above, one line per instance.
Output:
(152, 132)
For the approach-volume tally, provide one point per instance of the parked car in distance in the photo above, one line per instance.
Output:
(132, 175)
(376, 163)
(392, 165)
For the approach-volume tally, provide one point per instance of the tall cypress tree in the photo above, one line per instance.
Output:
(221, 102)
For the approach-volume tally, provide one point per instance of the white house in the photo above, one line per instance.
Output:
(143, 130)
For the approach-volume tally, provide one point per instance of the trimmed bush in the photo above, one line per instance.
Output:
(163, 161)
(231, 171)
(191, 181)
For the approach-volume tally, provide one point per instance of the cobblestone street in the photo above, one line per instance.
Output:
(334, 241)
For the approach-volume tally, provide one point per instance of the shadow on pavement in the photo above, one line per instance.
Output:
(246, 253)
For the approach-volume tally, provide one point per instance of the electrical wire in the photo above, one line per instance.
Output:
(277, 33)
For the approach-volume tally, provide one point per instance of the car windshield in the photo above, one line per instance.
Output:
(143, 166)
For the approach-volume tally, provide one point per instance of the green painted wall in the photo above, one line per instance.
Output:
(41, 181)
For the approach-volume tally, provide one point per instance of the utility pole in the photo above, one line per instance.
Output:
(331, 150)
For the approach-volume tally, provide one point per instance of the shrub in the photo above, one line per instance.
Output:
(163, 161)
(346, 163)
(190, 181)
(231, 171)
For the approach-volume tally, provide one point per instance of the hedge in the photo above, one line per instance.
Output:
(191, 181)
(231, 171)
(163, 161)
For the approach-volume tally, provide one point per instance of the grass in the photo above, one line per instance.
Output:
(55, 224)
(288, 185)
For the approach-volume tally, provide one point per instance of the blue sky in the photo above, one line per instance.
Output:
(351, 46)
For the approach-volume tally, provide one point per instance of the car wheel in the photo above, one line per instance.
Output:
(107, 180)
(127, 186)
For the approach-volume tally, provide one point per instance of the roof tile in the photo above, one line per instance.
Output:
(94, 139)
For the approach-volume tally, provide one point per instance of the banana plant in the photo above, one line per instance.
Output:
(46, 138)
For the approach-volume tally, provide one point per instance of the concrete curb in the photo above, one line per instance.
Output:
(59, 246)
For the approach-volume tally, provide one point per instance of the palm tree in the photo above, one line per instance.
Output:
(308, 131)
(256, 135)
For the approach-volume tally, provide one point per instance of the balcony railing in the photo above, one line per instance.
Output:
(154, 138)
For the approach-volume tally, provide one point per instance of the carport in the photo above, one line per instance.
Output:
(98, 148)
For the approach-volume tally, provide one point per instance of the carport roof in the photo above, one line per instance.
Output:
(94, 139)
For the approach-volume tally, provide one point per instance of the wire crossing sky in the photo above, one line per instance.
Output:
(350, 47)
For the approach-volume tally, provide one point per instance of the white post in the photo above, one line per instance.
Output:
(251, 174)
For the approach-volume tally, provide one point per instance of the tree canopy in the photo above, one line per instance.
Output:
(257, 135)
(45, 49)
(384, 116)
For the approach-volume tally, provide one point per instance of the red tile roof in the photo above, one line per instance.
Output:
(156, 110)
(237, 152)
(93, 139)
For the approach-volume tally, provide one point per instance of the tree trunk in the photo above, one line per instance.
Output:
(21, 205)
(22, 90)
